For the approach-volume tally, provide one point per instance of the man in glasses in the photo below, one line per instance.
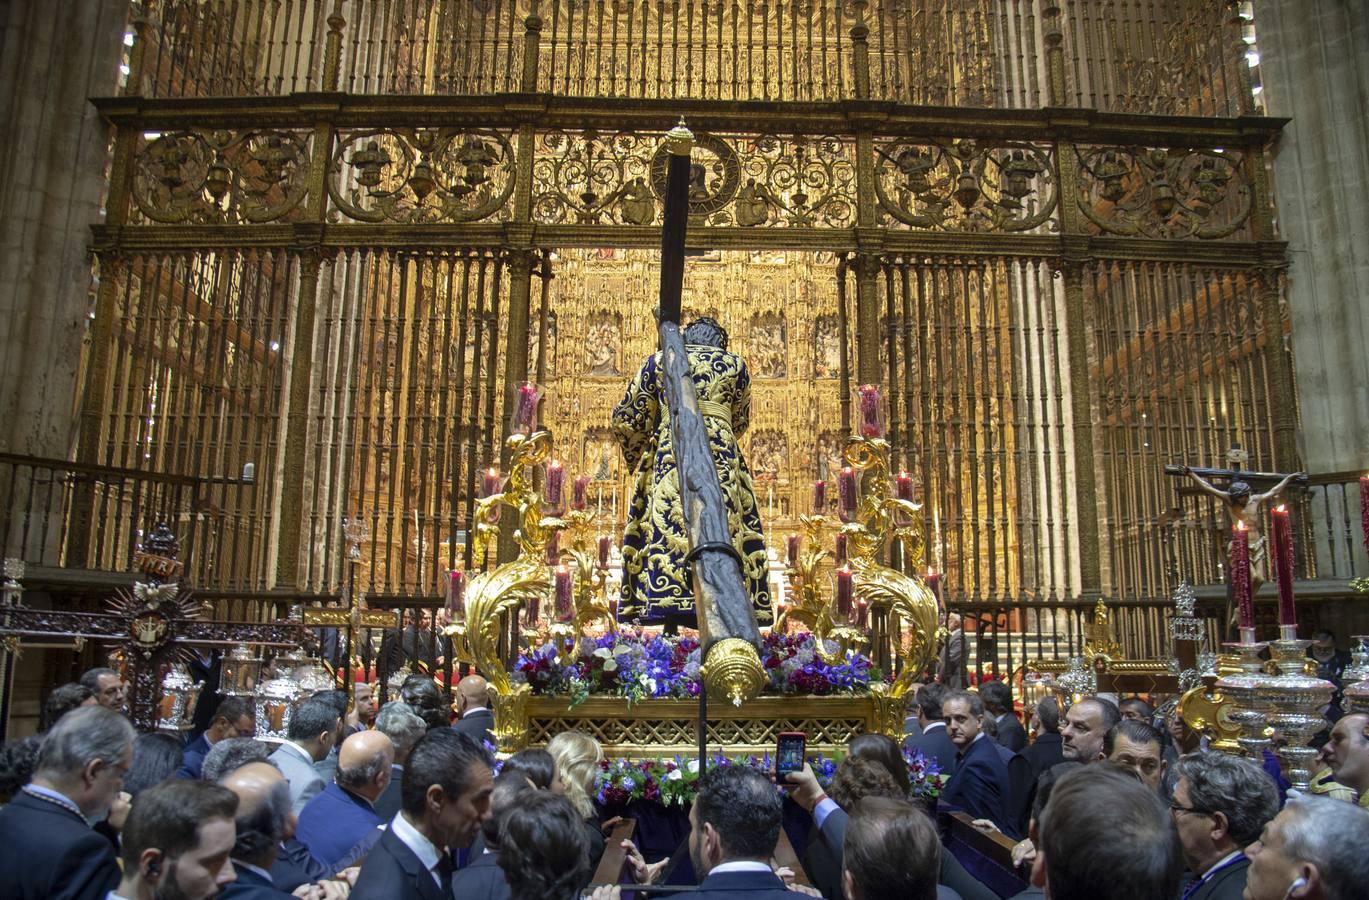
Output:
(1220, 805)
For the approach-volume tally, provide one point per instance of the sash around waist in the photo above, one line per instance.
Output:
(715, 410)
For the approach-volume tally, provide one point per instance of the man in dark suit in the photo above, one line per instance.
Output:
(446, 796)
(1104, 834)
(48, 850)
(403, 727)
(176, 841)
(414, 645)
(263, 821)
(734, 827)
(934, 741)
(997, 697)
(980, 782)
(1221, 804)
(344, 813)
(483, 879)
(232, 719)
(472, 704)
(1045, 751)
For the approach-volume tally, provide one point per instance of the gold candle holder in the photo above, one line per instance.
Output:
(507, 587)
(813, 607)
(1247, 692)
(1297, 700)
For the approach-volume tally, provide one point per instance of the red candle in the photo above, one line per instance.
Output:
(555, 483)
(492, 482)
(862, 614)
(1283, 561)
(565, 609)
(525, 408)
(934, 583)
(846, 492)
(1240, 575)
(820, 497)
(456, 594)
(844, 593)
(792, 546)
(554, 548)
(871, 422)
(903, 486)
(1364, 509)
(531, 612)
(605, 543)
(841, 549)
(579, 493)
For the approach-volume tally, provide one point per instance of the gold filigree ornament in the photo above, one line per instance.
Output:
(591, 581)
(508, 586)
(812, 607)
(733, 671)
(909, 605)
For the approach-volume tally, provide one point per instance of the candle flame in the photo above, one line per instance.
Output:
(1240, 526)
(1281, 508)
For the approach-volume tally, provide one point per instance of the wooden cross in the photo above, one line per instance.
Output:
(351, 616)
(154, 624)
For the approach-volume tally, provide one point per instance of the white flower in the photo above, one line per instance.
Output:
(602, 653)
(610, 665)
(692, 765)
(676, 774)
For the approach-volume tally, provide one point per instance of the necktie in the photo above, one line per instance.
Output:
(444, 873)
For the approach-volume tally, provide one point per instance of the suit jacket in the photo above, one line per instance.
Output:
(392, 872)
(251, 886)
(387, 804)
(743, 886)
(824, 864)
(482, 879)
(1011, 734)
(479, 725)
(295, 866)
(48, 852)
(936, 744)
(1046, 751)
(192, 758)
(333, 822)
(298, 768)
(413, 646)
(1228, 884)
(980, 784)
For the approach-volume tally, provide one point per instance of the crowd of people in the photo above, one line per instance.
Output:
(401, 801)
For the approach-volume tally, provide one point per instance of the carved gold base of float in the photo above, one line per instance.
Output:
(668, 727)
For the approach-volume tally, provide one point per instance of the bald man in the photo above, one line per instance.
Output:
(332, 823)
(264, 819)
(472, 703)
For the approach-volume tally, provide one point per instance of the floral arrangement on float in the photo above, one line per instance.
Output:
(673, 781)
(639, 665)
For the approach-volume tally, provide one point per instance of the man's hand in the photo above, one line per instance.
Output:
(1023, 853)
(985, 825)
(605, 892)
(805, 889)
(118, 811)
(807, 792)
(349, 875)
(643, 872)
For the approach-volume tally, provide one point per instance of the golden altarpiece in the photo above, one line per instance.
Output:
(339, 232)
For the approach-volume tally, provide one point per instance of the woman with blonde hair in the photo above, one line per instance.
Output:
(577, 757)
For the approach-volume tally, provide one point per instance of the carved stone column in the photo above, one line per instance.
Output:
(867, 267)
(51, 178)
(1314, 65)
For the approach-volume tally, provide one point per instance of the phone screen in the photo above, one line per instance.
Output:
(789, 753)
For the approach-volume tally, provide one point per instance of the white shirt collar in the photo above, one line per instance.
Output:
(741, 865)
(1220, 864)
(424, 849)
(474, 709)
(302, 751)
(934, 724)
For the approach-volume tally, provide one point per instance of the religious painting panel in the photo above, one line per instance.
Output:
(827, 347)
(603, 344)
(769, 345)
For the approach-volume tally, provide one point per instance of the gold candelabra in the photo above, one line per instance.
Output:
(900, 604)
(812, 607)
(509, 586)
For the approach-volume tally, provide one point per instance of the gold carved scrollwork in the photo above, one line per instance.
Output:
(796, 182)
(1163, 193)
(420, 175)
(965, 185)
(214, 177)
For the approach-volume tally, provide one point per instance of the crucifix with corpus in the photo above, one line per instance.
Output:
(1244, 508)
(351, 616)
(154, 625)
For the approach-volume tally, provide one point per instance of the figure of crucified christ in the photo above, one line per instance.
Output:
(1243, 506)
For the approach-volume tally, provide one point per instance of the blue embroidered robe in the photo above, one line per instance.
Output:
(656, 581)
